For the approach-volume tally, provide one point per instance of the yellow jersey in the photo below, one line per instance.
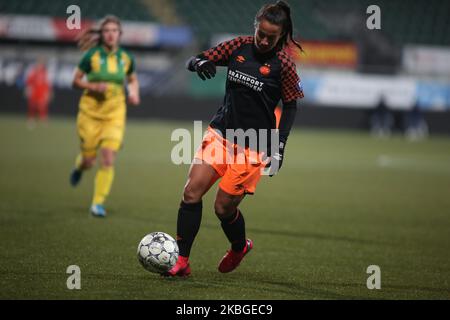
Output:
(112, 68)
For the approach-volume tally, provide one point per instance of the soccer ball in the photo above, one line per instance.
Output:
(157, 252)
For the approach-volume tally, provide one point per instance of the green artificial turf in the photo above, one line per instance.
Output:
(342, 201)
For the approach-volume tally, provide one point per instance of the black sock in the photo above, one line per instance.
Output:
(189, 219)
(234, 228)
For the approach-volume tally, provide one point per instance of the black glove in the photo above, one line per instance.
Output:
(276, 160)
(205, 68)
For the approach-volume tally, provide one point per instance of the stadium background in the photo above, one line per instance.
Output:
(346, 71)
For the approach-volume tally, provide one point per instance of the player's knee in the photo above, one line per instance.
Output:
(88, 162)
(224, 209)
(107, 159)
(108, 162)
(191, 194)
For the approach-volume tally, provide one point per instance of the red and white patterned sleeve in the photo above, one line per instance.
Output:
(221, 53)
(291, 88)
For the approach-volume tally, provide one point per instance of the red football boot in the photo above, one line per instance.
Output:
(232, 259)
(181, 268)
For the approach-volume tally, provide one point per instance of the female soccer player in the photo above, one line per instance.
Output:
(102, 108)
(260, 73)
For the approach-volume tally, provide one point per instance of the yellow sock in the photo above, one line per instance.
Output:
(78, 161)
(102, 185)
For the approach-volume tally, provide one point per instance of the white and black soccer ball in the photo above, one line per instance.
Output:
(157, 252)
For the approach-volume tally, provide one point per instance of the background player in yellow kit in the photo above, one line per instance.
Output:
(102, 107)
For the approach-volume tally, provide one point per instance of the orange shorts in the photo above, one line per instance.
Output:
(240, 168)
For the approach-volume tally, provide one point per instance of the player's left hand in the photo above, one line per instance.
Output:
(134, 100)
(276, 161)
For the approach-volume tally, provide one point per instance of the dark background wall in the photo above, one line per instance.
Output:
(65, 102)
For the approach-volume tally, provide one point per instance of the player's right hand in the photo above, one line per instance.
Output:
(99, 87)
(205, 69)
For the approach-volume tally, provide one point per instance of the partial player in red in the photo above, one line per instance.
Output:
(38, 92)
(260, 73)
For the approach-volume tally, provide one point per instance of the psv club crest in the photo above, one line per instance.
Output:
(265, 69)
